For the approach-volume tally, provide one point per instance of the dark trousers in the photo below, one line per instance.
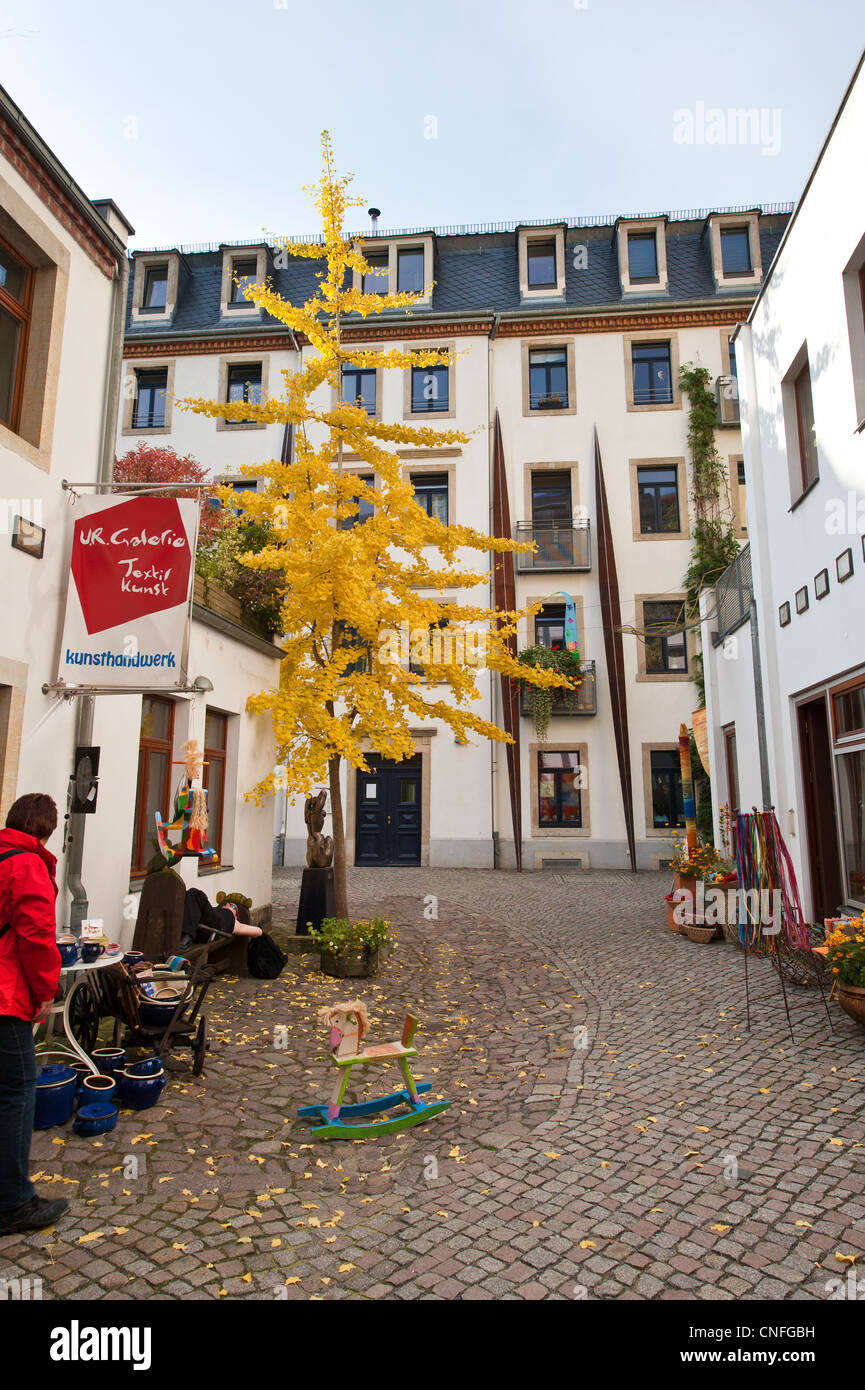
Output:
(17, 1103)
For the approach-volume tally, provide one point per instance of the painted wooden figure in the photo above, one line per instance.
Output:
(349, 1024)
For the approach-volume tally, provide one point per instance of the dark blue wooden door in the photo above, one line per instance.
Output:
(388, 818)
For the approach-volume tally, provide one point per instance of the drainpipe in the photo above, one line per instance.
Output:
(79, 906)
(762, 743)
(493, 745)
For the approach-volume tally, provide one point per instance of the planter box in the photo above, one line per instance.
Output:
(355, 966)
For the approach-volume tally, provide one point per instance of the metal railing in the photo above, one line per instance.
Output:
(560, 546)
(733, 595)
(583, 700)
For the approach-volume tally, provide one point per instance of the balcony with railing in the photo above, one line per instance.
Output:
(565, 545)
(733, 596)
(569, 703)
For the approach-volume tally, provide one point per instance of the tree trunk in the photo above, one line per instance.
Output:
(340, 893)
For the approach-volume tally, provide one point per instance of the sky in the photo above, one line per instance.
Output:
(201, 118)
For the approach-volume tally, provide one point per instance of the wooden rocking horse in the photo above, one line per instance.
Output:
(349, 1025)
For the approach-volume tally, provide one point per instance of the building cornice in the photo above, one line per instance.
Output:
(21, 147)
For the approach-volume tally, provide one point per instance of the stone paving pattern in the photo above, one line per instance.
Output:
(615, 1131)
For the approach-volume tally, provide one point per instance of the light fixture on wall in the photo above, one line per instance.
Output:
(202, 684)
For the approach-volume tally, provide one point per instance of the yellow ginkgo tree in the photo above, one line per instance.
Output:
(362, 625)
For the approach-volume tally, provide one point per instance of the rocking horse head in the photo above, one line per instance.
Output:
(348, 1024)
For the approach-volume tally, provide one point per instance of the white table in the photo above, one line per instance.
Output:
(71, 1048)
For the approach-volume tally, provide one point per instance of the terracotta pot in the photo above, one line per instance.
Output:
(671, 919)
(357, 965)
(852, 1001)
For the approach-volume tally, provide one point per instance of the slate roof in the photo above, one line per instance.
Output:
(475, 273)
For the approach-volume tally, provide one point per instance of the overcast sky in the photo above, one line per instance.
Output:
(201, 118)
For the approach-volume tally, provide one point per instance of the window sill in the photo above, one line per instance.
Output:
(802, 495)
(205, 871)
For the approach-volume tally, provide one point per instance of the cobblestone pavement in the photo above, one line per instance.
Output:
(615, 1132)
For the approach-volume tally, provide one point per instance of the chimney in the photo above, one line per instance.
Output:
(374, 215)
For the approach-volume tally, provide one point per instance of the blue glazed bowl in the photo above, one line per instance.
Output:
(55, 1096)
(95, 1119)
(140, 1092)
(96, 1089)
(110, 1059)
(151, 1066)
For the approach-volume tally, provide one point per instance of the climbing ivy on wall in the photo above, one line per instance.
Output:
(713, 540)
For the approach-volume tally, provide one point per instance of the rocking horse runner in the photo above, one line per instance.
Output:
(349, 1025)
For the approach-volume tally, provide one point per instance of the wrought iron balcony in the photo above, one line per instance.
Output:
(565, 545)
(583, 700)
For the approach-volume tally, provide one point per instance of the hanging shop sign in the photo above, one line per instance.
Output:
(127, 607)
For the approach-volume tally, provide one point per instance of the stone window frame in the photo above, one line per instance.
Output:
(336, 391)
(49, 261)
(393, 245)
(739, 521)
(245, 309)
(717, 222)
(655, 832)
(141, 263)
(432, 415)
(552, 466)
(658, 225)
(681, 466)
(261, 359)
(13, 692)
(661, 335)
(432, 467)
(654, 677)
(551, 599)
(362, 470)
(130, 394)
(553, 231)
(528, 345)
(559, 832)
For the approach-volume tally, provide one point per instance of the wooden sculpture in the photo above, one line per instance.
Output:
(349, 1024)
(319, 848)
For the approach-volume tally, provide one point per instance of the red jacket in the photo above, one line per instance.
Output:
(29, 958)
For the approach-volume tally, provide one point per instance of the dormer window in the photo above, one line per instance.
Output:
(541, 262)
(642, 257)
(401, 265)
(410, 270)
(241, 267)
(155, 286)
(541, 256)
(736, 251)
(641, 245)
(375, 280)
(243, 273)
(155, 296)
(734, 241)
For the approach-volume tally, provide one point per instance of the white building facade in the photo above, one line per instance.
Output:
(62, 298)
(557, 331)
(801, 365)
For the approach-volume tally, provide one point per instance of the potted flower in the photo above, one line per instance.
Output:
(846, 962)
(688, 866)
(353, 950)
(540, 697)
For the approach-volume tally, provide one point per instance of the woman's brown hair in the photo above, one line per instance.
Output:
(34, 814)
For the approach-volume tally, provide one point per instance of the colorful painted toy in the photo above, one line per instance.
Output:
(190, 812)
(349, 1025)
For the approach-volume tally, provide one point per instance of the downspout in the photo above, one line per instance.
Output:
(493, 745)
(78, 909)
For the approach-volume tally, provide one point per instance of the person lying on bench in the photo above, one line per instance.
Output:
(201, 919)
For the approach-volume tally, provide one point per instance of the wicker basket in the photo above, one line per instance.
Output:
(702, 934)
(852, 1001)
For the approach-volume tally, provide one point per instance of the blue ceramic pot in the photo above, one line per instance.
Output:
(133, 957)
(156, 1014)
(81, 1070)
(68, 953)
(140, 1092)
(97, 1089)
(109, 1059)
(151, 1066)
(55, 1096)
(95, 1119)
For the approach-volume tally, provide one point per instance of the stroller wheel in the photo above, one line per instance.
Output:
(199, 1046)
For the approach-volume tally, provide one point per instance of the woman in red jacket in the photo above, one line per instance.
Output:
(29, 976)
